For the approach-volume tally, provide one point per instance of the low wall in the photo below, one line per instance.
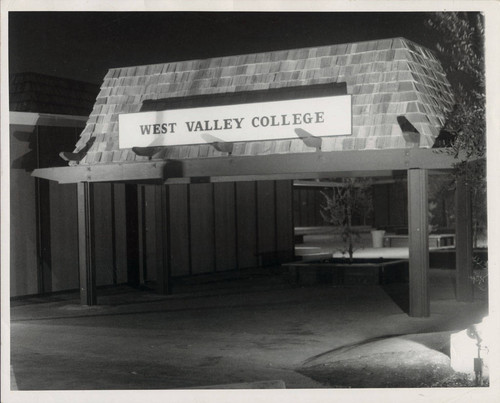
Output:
(340, 272)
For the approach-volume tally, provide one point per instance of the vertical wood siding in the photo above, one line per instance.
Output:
(225, 226)
(284, 220)
(211, 227)
(202, 228)
(162, 235)
(152, 224)
(179, 229)
(132, 231)
(246, 222)
(307, 206)
(63, 237)
(23, 231)
(266, 220)
(103, 211)
(381, 197)
(120, 222)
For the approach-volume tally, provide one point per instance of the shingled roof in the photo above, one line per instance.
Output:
(386, 78)
(34, 92)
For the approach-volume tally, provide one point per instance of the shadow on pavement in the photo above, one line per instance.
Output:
(399, 293)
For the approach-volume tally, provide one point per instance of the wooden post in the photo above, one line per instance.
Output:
(418, 242)
(463, 240)
(86, 252)
(162, 241)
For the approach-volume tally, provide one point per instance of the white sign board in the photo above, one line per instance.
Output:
(321, 117)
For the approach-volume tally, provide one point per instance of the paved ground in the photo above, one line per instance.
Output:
(256, 329)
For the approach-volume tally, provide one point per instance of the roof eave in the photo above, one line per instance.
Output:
(260, 167)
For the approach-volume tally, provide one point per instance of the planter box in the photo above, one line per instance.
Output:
(446, 258)
(340, 271)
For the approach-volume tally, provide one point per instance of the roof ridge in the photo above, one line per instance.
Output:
(50, 76)
(403, 39)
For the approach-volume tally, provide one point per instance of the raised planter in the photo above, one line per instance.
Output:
(446, 258)
(341, 271)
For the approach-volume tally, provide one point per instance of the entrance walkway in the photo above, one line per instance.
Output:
(253, 329)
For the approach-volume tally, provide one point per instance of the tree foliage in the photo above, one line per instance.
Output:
(353, 196)
(460, 47)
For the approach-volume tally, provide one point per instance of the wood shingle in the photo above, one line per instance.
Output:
(386, 78)
(34, 92)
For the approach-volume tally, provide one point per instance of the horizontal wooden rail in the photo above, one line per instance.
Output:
(276, 166)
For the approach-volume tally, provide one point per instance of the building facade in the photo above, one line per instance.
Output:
(167, 210)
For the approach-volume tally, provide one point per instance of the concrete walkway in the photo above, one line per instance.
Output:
(258, 329)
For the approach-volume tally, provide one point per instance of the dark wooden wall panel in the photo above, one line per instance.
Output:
(162, 259)
(152, 224)
(23, 231)
(120, 222)
(320, 201)
(398, 202)
(246, 224)
(303, 207)
(141, 232)
(44, 236)
(307, 207)
(266, 219)
(380, 203)
(179, 229)
(390, 203)
(64, 236)
(133, 235)
(202, 228)
(311, 206)
(225, 226)
(284, 220)
(103, 233)
(296, 208)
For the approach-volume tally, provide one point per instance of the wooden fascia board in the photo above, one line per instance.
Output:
(46, 119)
(261, 166)
(145, 171)
(318, 162)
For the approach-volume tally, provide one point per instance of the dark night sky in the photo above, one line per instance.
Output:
(84, 45)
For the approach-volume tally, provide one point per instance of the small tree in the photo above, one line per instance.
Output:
(351, 197)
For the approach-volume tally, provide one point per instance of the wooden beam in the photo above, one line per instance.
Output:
(282, 176)
(418, 242)
(275, 166)
(86, 251)
(317, 162)
(290, 176)
(119, 172)
(46, 119)
(463, 241)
